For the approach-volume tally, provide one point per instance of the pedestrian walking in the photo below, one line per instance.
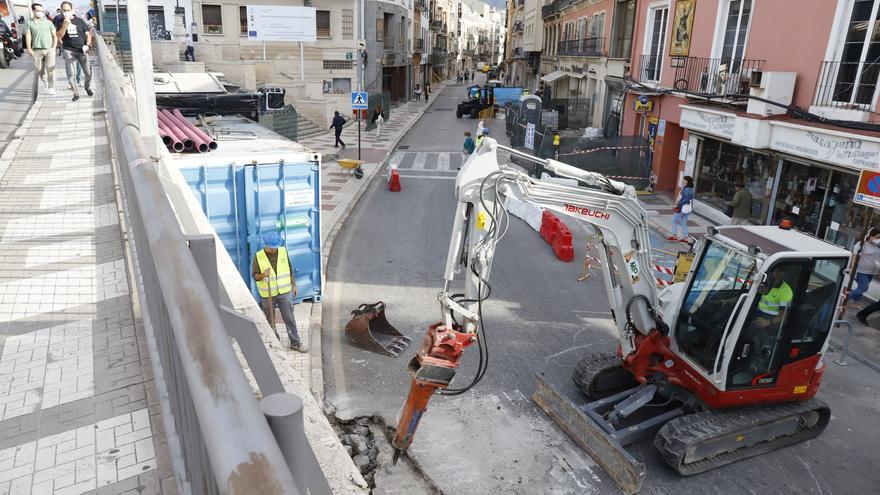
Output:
(190, 53)
(869, 263)
(472, 76)
(75, 44)
(337, 124)
(469, 145)
(418, 93)
(378, 119)
(42, 43)
(427, 90)
(683, 208)
(275, 283)
(741, 206)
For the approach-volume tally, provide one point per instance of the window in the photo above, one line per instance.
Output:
(859, 66)
(655, 37)
(402, 34)
(623, 28)
(721, 165)
(736, 28)
(380, 30)
(212, 19)
(338, 64)
(322, 23)
(242, 20)
(347, 24)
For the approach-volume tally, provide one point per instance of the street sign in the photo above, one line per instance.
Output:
(359, 100)
(349, 56)
(868, 190)
(281, 23)
(362, 44)
(530, 136)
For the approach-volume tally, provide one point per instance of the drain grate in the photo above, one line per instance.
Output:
(403, 147)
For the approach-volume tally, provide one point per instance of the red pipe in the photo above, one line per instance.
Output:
(169, 139)
(176, 131)
(198, 143)
(202, 134)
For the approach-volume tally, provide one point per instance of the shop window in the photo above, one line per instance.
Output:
(800, 195)
(843, 221)
(212, 19)
(721, 165)
(322, 23)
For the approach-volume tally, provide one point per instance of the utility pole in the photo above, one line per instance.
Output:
(359, 22)
(142, 65)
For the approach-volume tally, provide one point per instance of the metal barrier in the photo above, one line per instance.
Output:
(226, 441)
(844, 349)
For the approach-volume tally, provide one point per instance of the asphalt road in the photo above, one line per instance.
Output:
(16, 96)
(493, 439)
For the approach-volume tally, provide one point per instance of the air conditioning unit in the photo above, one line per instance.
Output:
(773, 86)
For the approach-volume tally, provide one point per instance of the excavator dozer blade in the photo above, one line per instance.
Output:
(619, 464)
(370, 330)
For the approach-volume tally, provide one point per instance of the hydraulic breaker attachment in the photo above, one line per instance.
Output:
(370, 330)
(432, 368)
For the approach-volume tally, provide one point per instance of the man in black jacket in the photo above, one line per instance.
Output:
(337, 124)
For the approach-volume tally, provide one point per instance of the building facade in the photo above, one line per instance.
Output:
(701, 67)
(389, 28)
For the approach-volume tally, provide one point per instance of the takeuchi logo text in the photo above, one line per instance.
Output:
(587, 212)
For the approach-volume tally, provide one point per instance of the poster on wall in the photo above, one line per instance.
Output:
(281, 23)
(682, 27)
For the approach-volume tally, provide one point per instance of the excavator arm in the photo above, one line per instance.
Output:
(480, 223)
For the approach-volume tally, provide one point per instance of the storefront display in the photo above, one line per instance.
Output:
(721, 165)
(801, 193)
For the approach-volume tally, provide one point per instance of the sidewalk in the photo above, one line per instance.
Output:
(78, 408)
(340, 192)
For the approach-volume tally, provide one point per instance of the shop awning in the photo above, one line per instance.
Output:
(559, 74)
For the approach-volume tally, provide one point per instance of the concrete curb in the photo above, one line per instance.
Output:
(18, 136)
(316, 361)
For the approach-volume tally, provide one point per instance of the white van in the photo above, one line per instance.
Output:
(15, 23)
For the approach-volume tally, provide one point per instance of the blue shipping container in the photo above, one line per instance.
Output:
(244, 201)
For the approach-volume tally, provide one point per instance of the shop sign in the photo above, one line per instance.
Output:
(710, 123)
(643, 104)
(868, 190)
(826, 147)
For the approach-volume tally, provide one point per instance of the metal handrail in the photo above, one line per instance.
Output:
(227, 443)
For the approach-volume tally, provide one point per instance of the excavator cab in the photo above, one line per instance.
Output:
(755, 308)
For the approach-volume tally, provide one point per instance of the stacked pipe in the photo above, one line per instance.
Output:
(179, 134)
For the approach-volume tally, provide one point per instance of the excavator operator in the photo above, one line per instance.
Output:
(772, 305)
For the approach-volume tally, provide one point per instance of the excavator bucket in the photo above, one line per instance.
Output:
(619, 464)
(369, 329)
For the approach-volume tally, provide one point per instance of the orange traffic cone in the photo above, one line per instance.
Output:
(394, 181)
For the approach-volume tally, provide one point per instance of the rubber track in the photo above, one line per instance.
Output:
(591, 366)
(676, 436)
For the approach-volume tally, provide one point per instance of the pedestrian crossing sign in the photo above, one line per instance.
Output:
(359, 100)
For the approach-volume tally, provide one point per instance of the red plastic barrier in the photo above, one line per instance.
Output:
(549, 226)
(556, 233)
(394, 181)
(562, 245)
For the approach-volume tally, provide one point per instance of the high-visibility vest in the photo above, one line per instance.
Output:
(777, 298)
(479, 140)
(280, 282)
(556, 140)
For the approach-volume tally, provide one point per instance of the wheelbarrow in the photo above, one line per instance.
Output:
(352, 166)
(370, 330)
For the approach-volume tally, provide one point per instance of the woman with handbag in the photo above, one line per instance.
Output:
(869, 263)
(683, 208)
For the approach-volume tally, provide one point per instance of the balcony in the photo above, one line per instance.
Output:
(518, 52)
(418, 45)
(518, 26)
(438, 25)
(649, 69)
(714, 76)
(587, 47)
(467, 53)
(420, 5)
(847, 85)
(323, 32)
(438, 59)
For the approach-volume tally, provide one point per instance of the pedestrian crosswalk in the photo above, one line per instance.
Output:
(430, 161)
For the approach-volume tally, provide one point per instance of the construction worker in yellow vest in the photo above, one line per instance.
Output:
(273, 275)
(556, 140)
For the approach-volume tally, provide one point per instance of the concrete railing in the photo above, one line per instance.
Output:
(227, 440)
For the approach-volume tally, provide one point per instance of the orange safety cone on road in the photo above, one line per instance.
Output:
(394, 180)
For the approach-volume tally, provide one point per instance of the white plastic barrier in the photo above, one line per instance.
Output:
(528, 212)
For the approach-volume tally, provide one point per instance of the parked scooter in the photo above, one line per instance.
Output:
(8, 45)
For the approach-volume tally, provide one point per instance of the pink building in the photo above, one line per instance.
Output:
(779, 95)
